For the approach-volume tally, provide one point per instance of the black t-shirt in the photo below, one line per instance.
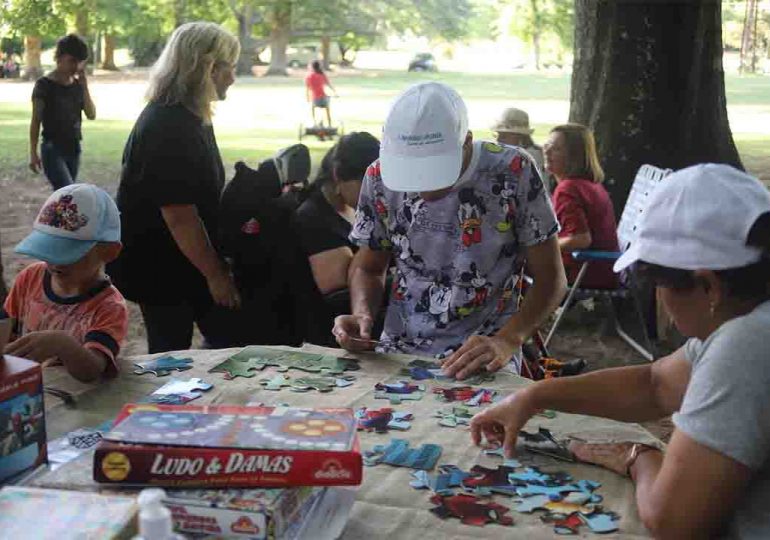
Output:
(61, 112)
(320, 227)
(170, 158)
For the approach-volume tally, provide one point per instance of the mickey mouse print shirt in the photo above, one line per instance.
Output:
(457, 258)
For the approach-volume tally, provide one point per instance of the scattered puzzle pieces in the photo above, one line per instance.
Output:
(381, 420)
(470, 510)
(254, 358)
(449, 477)
(398, 453)
(398, 392)
(469, 395)
(456, 416)
(305, 384)
(485, 480)
(163, 365)
(421, 370)
(508, 462)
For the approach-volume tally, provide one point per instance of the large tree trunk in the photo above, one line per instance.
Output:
(279, 39)
(109, 53)
(246, 18)
(33, 69)
(748, 39)
(536, 30)
(83, 28)
(326, 49)
(648, 79)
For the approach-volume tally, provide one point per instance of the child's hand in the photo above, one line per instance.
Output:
(41, 346)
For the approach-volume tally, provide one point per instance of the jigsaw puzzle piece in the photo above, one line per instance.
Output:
(601, 522)
(554, 493)
(566, 525)
(180, 386)
(470, 510)
(543, 442)
(163, 366)
(233, 368)
(326, 364)
(276, 382)
(530, 504)
(508, 462)
(561, 507)
(305, 384)
(344, 381)
(399, 454)
(588, 488)
(484, 480)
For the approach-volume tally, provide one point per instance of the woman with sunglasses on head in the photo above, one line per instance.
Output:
(704, 241)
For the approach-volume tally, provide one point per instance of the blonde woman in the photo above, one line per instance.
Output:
(583, 207)
(169, 190)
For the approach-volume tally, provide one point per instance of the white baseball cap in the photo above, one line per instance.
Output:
(422, 140)
(71, 222)
(699, 218)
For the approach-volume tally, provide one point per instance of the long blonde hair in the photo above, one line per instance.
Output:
(582, 159)
(182, 74)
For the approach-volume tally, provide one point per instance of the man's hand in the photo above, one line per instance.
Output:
(223, 290)
(478, 353)
(41, 346)
(354, 332)
(35, 164)
(81, 77)
(501, 423)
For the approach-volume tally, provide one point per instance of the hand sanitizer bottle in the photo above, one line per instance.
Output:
(155, 521)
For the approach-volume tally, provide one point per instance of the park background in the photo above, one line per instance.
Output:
(496, 53)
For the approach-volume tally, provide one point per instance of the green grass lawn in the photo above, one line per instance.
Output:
(262, 115)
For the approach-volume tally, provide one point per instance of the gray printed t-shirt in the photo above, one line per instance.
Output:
(456, 258)
(726, 408)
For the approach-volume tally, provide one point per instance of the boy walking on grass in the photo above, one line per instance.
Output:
(57, 100)
(65, 309)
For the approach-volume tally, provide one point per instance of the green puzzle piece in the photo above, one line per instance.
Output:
(276, 383)
(233, 368)
(259, 357)
(305, 384)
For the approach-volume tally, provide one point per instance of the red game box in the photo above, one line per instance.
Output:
(230, 446)
(22, 417)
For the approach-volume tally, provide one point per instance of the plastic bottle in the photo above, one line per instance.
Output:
(155, 521)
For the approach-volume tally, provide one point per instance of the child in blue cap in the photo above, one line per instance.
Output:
(65, 309)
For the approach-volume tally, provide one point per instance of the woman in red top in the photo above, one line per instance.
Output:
(315, 83)
(583, 207)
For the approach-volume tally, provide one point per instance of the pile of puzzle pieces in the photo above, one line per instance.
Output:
(568, 504)
(254, 358)
(382, 420)
(453, 417)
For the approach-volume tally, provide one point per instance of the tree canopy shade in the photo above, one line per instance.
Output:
(648, 78)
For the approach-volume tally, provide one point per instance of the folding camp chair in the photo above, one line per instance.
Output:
(647, 179)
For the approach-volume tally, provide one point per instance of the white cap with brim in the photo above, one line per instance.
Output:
(71, 222)
(423, 137)
(699, 218)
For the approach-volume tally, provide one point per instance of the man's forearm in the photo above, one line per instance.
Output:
(626, 394)
(194, 243)
(34, 135)
(366, 291)
(540, 301)
(88, 103)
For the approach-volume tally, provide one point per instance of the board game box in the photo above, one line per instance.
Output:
(22, 417)
(229, 446)
(259, 514)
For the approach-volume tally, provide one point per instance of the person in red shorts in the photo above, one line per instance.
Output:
(64, 309)
(583, 207)
(316, 82)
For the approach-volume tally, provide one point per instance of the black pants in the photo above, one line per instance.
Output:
(170, 327)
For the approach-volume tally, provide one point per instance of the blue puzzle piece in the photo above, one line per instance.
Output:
(554, 493)
(529, 476)
(440, 484)
(510, 462)
(398, 454)
(163, 365)
(601, 522)
(530, 504)
(588, 487)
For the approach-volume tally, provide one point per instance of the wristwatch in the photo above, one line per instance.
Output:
(636, 450)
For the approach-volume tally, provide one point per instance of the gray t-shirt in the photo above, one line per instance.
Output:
(726, 405)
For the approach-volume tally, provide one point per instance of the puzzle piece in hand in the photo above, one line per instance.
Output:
(381, 420)
(398, 453)
(234, 367)
(163, 365)
(470, 510)
(601, 522)
(454, 417)
(397, 392)
(490, 480)
(543, 442)
(508, 462)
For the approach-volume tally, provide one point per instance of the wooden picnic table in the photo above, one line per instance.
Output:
(386, 506)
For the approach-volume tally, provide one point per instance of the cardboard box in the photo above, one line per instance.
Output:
(258, 514)
(229, 446)
(22, 417)
(62, 515)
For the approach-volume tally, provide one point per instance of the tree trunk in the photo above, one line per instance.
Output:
(83, 29)
(536, 27)
(32, 67)
(245, 18)
(748, 38)
(109, 53)
(279, 39)
(326, 49)
(648, 79)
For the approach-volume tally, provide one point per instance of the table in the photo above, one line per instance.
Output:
(386, 506)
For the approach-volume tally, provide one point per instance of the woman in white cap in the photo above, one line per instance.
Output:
(513, 129)
(704, 241)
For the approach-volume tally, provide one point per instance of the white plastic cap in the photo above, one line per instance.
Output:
(154, 519)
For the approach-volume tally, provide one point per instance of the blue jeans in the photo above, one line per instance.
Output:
(61, 168)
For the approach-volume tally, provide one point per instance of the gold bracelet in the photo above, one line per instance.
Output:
(636, 450)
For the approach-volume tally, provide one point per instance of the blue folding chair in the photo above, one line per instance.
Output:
(647, 179)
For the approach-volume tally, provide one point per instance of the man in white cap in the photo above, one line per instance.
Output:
(513, 129)
(459, 217)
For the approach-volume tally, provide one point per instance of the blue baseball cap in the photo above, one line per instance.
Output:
(72, 221)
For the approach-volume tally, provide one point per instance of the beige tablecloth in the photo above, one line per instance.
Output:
(386, 506)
